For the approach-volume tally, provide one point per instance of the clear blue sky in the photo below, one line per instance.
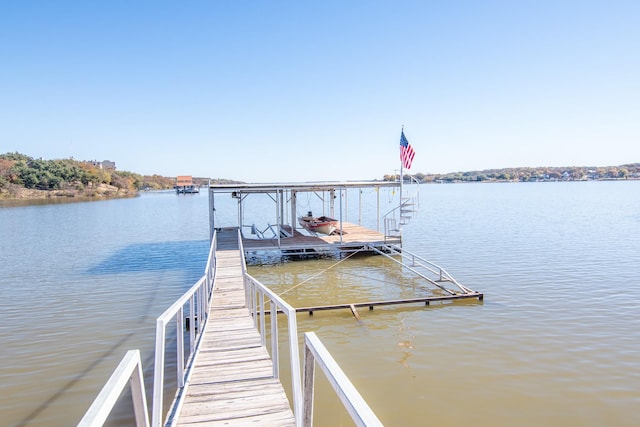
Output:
(266, 91)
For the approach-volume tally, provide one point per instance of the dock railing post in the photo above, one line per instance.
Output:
(262, 321)
(356, 406)
(129, 370)
(158, 375)
(192, 320)
(308, 387)
(175, 310)
(258, 290)
(180, 346)
(378, 210)
(274, 339)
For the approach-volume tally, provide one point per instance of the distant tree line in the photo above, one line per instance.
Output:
(67, 174)
(528, 174)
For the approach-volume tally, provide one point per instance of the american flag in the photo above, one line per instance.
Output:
(406, 152)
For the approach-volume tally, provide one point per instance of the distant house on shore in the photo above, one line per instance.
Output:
(105, 164)
(185, 185)
(592, 174)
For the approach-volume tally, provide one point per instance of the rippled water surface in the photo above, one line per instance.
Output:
(555, 342)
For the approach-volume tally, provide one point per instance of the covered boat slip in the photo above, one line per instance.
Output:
(352, 238)
(282, 232)
(284, 237)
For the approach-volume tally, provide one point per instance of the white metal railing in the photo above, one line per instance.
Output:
(316, 353)
(129, 371)
(391, 228)
(257, 294)
(198, 297)
(413, 262)
(273, 231)
(393, 225)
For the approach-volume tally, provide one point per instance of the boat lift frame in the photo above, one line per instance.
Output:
(284, 195)
(427, 270)
(285, 198)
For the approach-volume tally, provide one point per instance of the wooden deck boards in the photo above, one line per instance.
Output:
(232, 380)
(353, 236)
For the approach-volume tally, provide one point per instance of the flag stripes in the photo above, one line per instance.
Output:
(406, 152)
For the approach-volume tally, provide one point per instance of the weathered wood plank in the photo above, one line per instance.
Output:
(233, 408)
(255, 387)
(232, 380)
(353, 236)
(220, 357)
(277, 419)
(212, 374)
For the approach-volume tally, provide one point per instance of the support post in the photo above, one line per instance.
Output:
(158, 376)
(346, 204)
(275, 355)
(308, 380)
(212, 212)
(180, 346)
(340, 216)
(359, 206)
(294, 215)
(278, 213)
(354, 311)
(332, 209)
(378, 210)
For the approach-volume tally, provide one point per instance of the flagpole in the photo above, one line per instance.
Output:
(401, 181)
(401, 168)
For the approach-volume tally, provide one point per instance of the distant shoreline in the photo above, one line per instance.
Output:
(101, 192)
(24, 196)
(513, 181)
(630, 171)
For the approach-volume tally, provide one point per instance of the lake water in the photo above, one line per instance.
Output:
(556, 341)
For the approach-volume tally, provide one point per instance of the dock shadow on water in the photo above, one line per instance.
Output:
(187, 259)
(189, 256)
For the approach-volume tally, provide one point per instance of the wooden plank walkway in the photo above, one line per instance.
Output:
(232, 380)
(353, 236)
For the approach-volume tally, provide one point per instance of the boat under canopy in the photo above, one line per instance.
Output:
(322, 224)
(290, 233)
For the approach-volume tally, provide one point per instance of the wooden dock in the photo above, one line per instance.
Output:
(232, 381)
(229, 378)
(281, 234)
(354, 237)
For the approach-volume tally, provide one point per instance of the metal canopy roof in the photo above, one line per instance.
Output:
(300, 186)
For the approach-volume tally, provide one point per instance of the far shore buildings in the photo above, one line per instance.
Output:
(185, 185)
(105, 164)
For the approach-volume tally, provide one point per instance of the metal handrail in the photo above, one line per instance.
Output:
(129, 371)
(257, 293)
(198, 297)
(418, 261)
(354, 403)
(400, 206)
(390, 217)
(407, 199)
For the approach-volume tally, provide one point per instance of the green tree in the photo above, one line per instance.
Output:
(29, 178)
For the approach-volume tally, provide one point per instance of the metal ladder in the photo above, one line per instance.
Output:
(429, 271)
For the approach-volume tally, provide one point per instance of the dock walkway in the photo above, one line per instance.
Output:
(354, 237)
(232, 380)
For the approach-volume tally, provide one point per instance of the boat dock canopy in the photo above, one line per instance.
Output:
(301, 186)
(277, 229)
